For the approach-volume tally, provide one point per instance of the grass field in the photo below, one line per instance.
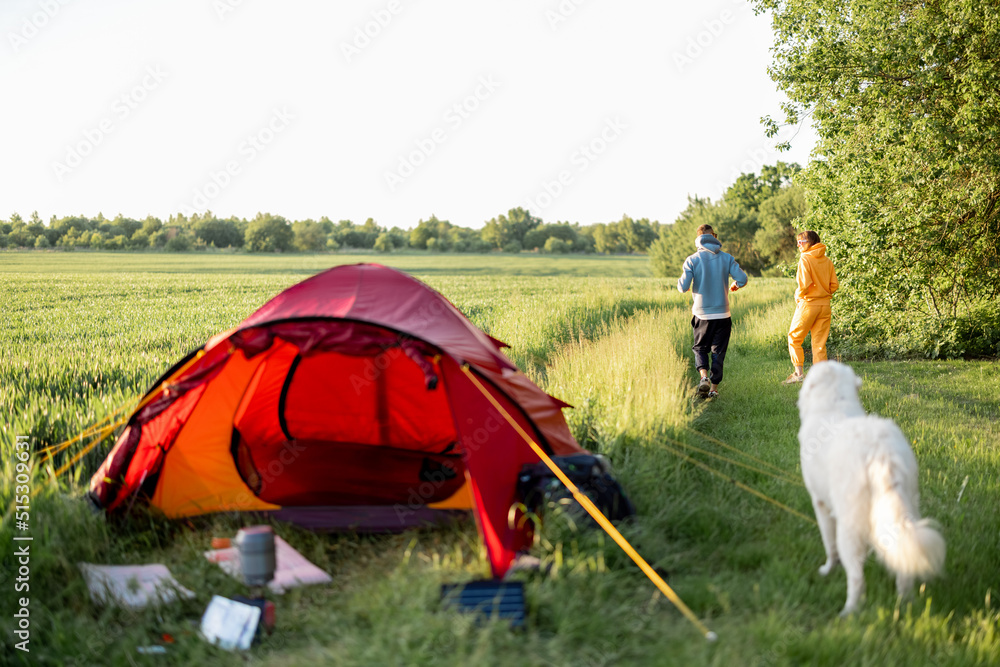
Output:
(85, 332)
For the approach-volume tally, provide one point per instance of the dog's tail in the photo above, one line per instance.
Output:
(907, 544)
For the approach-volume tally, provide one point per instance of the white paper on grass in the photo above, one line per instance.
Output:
(229, 624)
(291, 569)
(132, 586)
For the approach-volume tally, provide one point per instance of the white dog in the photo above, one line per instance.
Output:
(862, 476)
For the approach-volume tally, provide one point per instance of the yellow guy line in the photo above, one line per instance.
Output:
(102, 432)
(105, 432)
(783, 477)
(602, 520)
(51, 451)
(739, 451)
(739, 484)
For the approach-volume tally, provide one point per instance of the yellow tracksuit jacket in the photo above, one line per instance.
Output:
(816, 282)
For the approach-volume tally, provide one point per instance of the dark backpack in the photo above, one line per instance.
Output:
(539, 488)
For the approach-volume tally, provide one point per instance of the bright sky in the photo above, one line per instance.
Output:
(581, 110)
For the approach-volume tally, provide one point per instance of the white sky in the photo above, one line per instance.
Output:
(239, 106)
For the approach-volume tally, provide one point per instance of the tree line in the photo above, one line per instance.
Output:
(754, 219)
(513, 231)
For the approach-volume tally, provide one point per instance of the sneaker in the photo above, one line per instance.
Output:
(704, 385)
(794, 378)
(713, 394)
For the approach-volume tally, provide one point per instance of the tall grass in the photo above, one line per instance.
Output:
(79, 342)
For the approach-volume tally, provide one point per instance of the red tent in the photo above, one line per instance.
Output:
(341, 402)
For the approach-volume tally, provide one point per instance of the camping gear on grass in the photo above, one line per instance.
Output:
(230, 624)
(488, 599)
(540, 489)
(292, 569)
(256, 548)
(132, 586)
(359, 398)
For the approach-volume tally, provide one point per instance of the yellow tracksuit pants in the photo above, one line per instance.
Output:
(812, 319)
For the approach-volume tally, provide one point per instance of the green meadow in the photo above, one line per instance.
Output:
(83, 333)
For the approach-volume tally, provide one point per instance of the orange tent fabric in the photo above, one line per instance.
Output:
(342, 397)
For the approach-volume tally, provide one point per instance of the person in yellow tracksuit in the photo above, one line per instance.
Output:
(817, 281)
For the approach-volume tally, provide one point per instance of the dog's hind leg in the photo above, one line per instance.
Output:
(828, 531)
(904, 585)
(853, 552)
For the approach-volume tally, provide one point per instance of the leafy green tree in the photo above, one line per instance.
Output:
(158, 239)
(399, 237)
(34, 228)
(126, 226)
(607, 240)
(20, 235)
(749, 191)
(775, 239)
(139, 240)
(151, 225)
(179, 243)
(676, 241)
(557, 246)
(736, 226)
(308, 235)
(215, 232)
(268, 233)
(736, 218)
(637, 235)
(463, 239)
(585, 240)
(77, 224)
(906, 185)
(432, 228)
(503, 230)
(42, 241)
(383, 243)
(564, 231)
(349, 235)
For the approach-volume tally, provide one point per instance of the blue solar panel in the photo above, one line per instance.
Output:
(489, 599)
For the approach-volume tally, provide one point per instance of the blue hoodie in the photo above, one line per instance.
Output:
(707, 273)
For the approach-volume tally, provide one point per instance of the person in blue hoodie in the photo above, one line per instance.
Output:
(706, 273)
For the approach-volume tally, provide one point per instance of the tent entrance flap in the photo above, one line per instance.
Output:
(338, 425)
